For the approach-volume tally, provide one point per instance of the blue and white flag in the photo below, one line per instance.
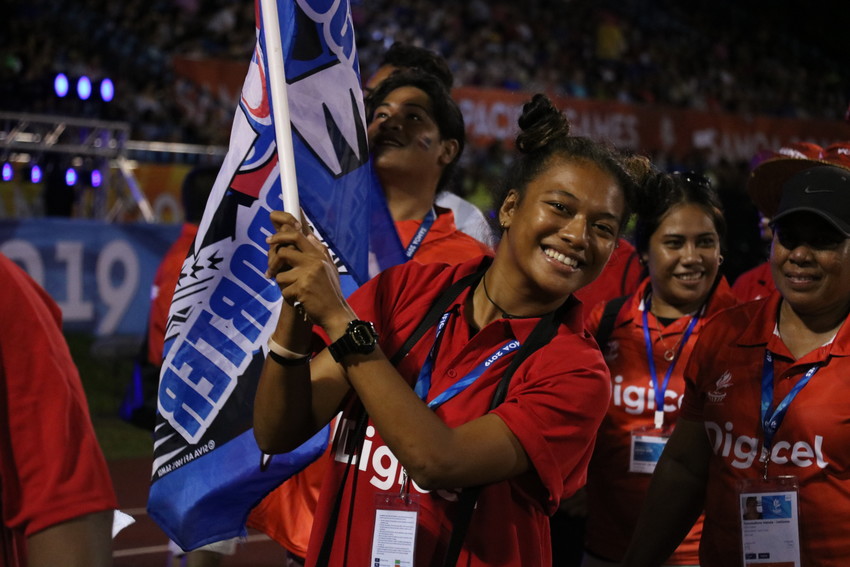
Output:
(206, 471)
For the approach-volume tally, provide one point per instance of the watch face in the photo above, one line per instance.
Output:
(363, 335)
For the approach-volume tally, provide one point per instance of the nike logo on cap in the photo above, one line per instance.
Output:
(810, 190)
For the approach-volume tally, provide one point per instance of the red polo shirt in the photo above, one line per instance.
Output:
(723, 390)
(554, 405)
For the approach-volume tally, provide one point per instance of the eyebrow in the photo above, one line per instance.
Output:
(403, 105)
(566, 193)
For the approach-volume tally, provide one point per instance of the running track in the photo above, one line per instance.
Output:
(143, 544)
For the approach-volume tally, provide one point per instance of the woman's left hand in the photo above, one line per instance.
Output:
(303, 269)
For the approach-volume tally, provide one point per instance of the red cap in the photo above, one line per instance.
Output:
(767, 178)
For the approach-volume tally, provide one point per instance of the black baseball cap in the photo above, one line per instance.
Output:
(823, 190)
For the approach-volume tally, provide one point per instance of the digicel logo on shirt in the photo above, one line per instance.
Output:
(637, 399)
(386, 471)
(742, 451)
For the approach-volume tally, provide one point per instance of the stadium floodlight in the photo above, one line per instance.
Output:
(107, 90)
(70, 177)
(84, 88)
(60, 85)
(8, 171)
(35, 174)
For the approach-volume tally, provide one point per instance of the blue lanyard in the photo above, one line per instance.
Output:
(771, 421)
(653, 374)
(421, 232)
(423, 382)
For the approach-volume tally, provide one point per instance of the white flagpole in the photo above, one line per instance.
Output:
(280, 107)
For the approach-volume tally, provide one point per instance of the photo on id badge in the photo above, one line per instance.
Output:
(770, 535)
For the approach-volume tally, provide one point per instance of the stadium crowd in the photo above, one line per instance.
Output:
(720, 57)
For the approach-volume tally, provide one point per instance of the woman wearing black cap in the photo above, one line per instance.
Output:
(765, 411)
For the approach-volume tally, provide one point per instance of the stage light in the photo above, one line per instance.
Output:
(60, 85)
(84, 88)
(96, 178)
(8, 172)
(35, 174)
(107, 90)
(70, 177)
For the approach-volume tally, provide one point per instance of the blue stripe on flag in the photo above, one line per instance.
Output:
(206, 474)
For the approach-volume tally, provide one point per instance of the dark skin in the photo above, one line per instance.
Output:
(581, 223)
(81, 542)
(811, 268)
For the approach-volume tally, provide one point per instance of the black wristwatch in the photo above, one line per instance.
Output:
(360, 338)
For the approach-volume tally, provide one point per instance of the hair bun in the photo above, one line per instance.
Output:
(540, 123)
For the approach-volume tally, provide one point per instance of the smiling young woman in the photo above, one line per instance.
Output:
(678, 235)
(422, 357)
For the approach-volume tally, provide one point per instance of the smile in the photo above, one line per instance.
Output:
(565, 260)
(689, 277)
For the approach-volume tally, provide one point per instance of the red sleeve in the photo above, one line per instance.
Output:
(555, 408)
(592, 319)
(52, 467)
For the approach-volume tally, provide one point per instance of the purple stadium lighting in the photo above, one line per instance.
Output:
(35, 174)
(70, 177)
(8, 172)
(107, 90)
(96, 178)
(84, 88)
(60, 85)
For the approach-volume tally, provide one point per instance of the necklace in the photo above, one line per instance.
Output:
(505, 314)
(669, 353)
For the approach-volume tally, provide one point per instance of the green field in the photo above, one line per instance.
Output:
(105, 370)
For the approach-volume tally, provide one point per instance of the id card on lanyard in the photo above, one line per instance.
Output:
(648, 442)
(769, 506)
(396, 514)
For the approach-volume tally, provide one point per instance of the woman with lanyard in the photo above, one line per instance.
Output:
(416, 136)
(765, 410)
(463, 422)
(678, 236)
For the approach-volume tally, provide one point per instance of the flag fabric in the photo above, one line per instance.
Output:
(206, 472)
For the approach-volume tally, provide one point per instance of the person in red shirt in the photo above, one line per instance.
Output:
(416, 136)
(679, 233)
(765, 406)
(431, 436)
(757, 282)
(56, 494)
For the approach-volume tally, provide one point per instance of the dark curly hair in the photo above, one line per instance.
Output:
(446, 113)
(545, 135)
(663, 191)
(406, 56)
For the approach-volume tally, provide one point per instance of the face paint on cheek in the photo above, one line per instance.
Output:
(425, 142)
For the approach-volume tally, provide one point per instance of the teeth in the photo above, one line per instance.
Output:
(689, 277)
(561, 258)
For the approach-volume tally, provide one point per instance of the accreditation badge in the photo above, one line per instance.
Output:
(394, 537)
(647, 444)
(770, 526)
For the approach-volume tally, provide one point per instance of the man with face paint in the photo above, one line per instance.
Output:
(401, 57)
(416, 136)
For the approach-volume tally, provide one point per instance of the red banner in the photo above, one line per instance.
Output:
(491, 115)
